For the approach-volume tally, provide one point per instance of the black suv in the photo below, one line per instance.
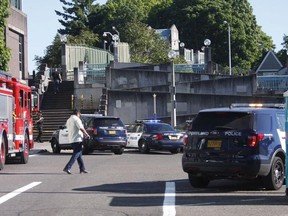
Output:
(106, 132)
(243, 141)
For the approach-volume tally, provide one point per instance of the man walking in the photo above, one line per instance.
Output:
(75, 136)
(57, 79)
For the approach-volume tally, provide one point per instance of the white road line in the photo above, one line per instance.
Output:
(251, 200)
(18, 191)
(169, 200)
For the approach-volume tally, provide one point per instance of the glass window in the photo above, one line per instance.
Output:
(21, 56)
(21, 99)
(98, 122)
(152, 128)
(206, 121)
(263, 122)
(17, 4)
(281, 121)
(131, 128)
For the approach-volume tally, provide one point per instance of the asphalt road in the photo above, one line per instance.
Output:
(128, 184)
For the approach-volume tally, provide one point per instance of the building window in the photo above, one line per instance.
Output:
(16, 3)
(21, 54)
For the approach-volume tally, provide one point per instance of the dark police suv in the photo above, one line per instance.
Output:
(106, 132)
(154, 134)
(243, 141)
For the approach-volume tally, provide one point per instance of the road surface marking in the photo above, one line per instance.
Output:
(169, 200)
(252, 199)
(18, 191)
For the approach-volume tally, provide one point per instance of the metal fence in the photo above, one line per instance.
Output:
(273, 83)
(92, 73)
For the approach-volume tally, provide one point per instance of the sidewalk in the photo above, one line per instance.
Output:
(41, 147)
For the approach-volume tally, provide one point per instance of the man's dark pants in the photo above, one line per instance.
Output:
(77, 155)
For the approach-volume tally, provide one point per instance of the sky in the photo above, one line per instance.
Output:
(43, 23)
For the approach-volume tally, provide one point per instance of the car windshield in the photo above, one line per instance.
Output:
(159, 128)
(105, 122)
(206, 121)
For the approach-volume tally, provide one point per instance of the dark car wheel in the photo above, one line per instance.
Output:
(175, 151)
(198, 182)
(118, 151)
(143, 147)
(275, 179)
(86, 150)
(55, 146)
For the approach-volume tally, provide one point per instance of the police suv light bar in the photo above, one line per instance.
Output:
(258, 105)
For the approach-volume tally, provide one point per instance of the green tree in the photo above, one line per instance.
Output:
(197, 20)
(4, 51)
(119, 13)
(283, 53)
(77, 23)
(146, 46)
(52, 58)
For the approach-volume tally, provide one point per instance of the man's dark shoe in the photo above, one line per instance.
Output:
(84, 171)
(67, 171)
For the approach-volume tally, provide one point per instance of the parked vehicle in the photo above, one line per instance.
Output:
(242, 141)
(106, 132)
(152, 134)
(16, 128)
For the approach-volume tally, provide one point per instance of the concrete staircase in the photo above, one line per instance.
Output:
(56, 108)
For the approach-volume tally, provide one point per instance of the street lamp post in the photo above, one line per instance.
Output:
(182, 49)
(104, 44)
(207, 56)
(154, 103)
(172, 56)
(114, 28)
(229, 47)
(115, 38)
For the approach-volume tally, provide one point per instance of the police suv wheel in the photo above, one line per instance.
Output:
(275, 179)
(143, 147)
(55, 146)
(118, 151)
(198, 182)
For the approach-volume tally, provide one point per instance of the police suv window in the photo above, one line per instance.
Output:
(222, 120)
(263, 122)
(280, 121)
(140, 128)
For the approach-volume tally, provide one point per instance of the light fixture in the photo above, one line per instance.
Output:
(207, 42)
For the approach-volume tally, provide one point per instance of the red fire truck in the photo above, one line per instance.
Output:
(16, 123)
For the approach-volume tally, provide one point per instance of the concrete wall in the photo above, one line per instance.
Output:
(130, 93)
(130, 106)
(17, 27)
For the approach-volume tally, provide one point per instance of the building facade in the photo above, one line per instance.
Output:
(17, 40)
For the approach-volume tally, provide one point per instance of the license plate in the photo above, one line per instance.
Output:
(214, 144)
(173, 138)
(112, 132)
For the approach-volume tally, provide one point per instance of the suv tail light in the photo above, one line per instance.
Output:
(254, 139)
(92, 130)
(185, 139)
(158, 136)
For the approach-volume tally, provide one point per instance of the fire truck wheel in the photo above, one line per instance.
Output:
(2, 153)
(25, 154)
